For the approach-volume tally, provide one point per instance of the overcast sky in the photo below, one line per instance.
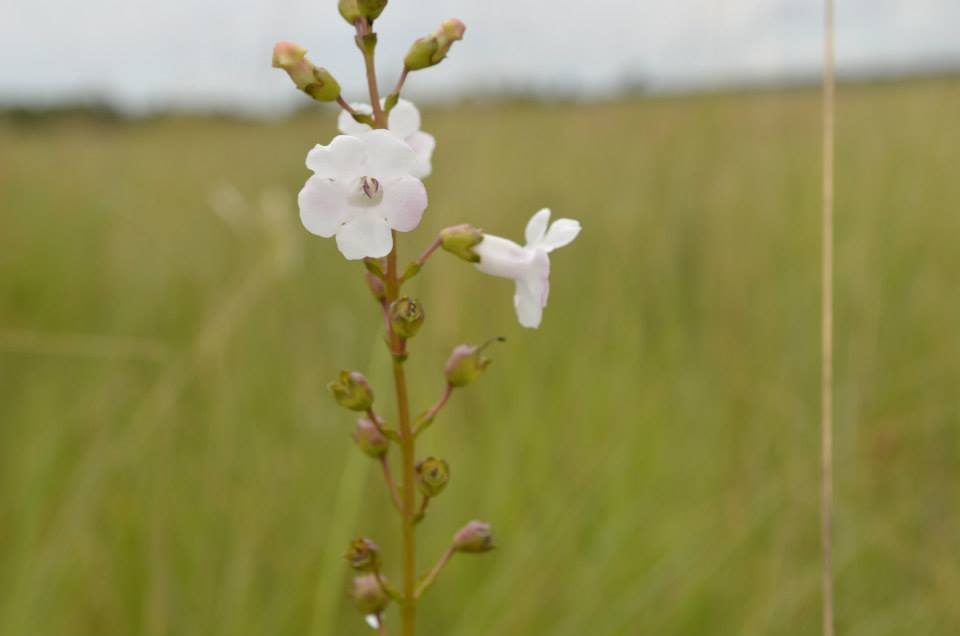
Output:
(141, 54)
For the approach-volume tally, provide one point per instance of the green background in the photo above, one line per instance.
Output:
(170, 462)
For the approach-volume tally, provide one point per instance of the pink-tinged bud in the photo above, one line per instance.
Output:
(352, 391)
(474, 537)
(368, 596)
(376, 287)
(369, 438)
(466, 363)
(363, 555)
(316, 82)
(432, 476)
(432, 49)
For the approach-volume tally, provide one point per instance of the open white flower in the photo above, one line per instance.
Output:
(362, 188)
(528, 266)
(404, 122)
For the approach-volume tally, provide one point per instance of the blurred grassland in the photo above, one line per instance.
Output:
(170, 462)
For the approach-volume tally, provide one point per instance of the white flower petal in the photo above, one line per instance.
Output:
(365, 234)
(350, 126)
(404, 119)
(537, 227)
(561, 232)
(422, 144)
(372, 620)
(532, 291)
(404, 201)
(502, 257)
(323, 206)
(342, 159)
(387, 157)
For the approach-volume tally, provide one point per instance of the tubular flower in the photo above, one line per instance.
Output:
(404, 123)
(362, 188)
(528, 266)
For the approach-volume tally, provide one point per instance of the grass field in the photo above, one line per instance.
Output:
(170, 462)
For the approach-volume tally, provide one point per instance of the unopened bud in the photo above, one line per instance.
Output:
(432, 49)
(474, 537)
(363, 555)
(368, 596)
(369, 438)
(316, 82)
(432, 476)
(406, 317)
(376, 287)
(353, 10)
(460, 240)
(352, 391)
(466, 363)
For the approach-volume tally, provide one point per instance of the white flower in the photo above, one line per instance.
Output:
(361, 189)
(529, 266)
(404, 122)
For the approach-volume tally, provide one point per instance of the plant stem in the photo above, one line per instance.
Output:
(408, 609)
(826, 388)
(363, 30)
(427, 582)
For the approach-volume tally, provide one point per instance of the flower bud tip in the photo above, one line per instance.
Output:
(352, 391)
(475, 537)
(363, 555)
(432, 476)
(406, 317)
(370, 439)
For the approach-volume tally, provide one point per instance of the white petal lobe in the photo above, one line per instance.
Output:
(364, 235)
(404, 201)
(404, 119)
(537, 227)
(323, 206)
(561, 233)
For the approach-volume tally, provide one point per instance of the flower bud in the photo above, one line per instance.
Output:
(406, 317)
(376, 288)
(474, 537)
(352, 391)
(368, 596)
(369, 438)
(363, 555)
(353, 10)
(466, 363)
(316, 82)
(460, 240)
(432, 476)
(432, 49)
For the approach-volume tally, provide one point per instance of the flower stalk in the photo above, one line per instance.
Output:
(367, 187)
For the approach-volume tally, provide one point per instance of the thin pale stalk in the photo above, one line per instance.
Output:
(826, 402)
(391, 484)
(432, 576)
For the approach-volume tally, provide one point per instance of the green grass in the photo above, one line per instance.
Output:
(648, 457)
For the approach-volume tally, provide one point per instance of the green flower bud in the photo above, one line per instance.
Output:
(368, 596)
(474, 537)
(432, 49)
(369, 438)
(421, 53)
(353, 10)
(352, 391)
(406, 317)
(316, 82)
(460, 240)
(432, 476)
(466, 363)
(363, 555)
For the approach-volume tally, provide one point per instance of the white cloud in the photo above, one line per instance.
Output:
(216, 52)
